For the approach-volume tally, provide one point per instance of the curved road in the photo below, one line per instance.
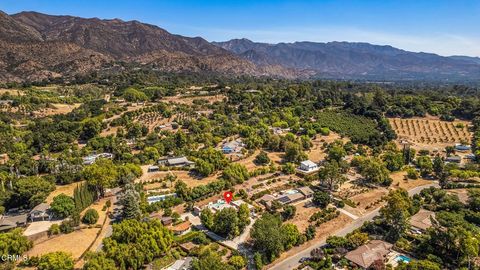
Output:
(294, 261)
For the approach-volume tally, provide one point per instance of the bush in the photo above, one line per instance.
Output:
(90, 217)
(262, 158)
(412, 173)
(56, 261)
(66, 226)
(54, 229)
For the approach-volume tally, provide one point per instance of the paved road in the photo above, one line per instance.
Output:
(294, 261)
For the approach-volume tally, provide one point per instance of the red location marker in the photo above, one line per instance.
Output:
(228, 196)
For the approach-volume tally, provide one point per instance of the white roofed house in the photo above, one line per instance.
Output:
(307, 167)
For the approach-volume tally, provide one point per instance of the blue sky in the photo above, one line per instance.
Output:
(446, 27)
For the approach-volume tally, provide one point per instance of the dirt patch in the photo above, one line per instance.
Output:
(189, 100)
(185, 176)
(74, 243)
(12, 92)
(400, 181)
(65, 189)
(57, 108)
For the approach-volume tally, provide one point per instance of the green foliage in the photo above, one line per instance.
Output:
(235, 173)
(90, 217)
(30, 191)
(133, 95)
(14, 242)
(84, 196)
(331, 174)
(54, 229)
(288, 212)
(425, 165)
(396, 213)
(98, 261)
(134, 243)
(359, 129)
(56, 261)
(100, 175)
(131, 203)
(321, 198)
(227, 222)
(267, 236)
(209, 259)
(262, 158)
(238, 262)
(62, 205)
(373, 170)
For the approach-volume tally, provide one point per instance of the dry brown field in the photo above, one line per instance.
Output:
(65, 189)
(57, 108)
(181, 175)
(189, 100)
(13, 92)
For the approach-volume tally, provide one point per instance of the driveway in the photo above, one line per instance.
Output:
(294, 261)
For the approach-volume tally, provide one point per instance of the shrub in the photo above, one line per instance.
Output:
(90, 217)
(54, 229)
(66, 226)
(262, 158)
(56, 261)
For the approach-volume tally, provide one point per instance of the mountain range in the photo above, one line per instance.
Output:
(35, 46)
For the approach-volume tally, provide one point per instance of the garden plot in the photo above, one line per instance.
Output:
(430, 133)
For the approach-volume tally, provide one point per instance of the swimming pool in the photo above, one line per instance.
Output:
(402, 258)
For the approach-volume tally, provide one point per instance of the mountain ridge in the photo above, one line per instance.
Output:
(354, 59)
(36, 46)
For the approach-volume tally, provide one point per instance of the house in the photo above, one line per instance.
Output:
(181, 228)
(197, 210)
(291, 198)
(421, 221)
(267, 200)
(365, 255)
(182, 264)
(453, 159)
(308, 166)
(188, 246)
(166, 220)
(159, 198)
(462, 147)
(238, 203)
(89, 160)
(153, 169)
(469, 156)
(306, 191)
(234, 146)
(41, 211)
(179, 162)
(12, 222)
(218, 205)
